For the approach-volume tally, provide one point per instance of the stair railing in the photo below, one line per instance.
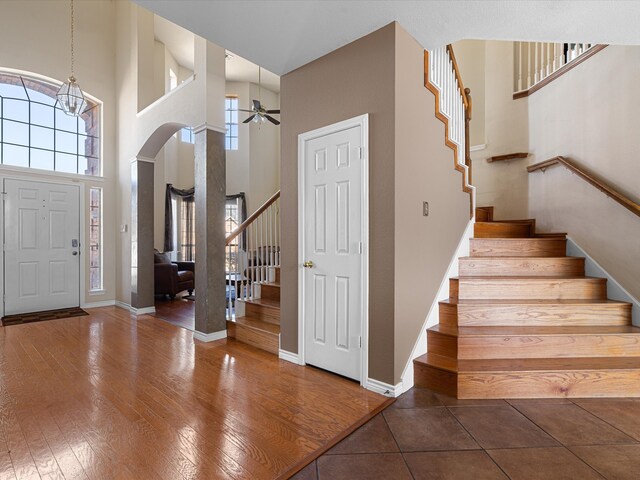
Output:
(453, 107)
(252, 251)
(590, 178)
(538, 63)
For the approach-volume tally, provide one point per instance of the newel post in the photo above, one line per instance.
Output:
(467, 142)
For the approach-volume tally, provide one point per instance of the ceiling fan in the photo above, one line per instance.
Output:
(258, 111)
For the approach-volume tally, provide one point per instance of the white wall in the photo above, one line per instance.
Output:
(590, 115)
(34, 37)
(487, 68)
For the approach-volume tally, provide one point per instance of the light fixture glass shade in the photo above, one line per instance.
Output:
(71, 98)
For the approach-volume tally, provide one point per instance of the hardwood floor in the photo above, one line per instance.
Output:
(180, 312)
(115, 397)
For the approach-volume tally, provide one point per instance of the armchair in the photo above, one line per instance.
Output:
(172, 278)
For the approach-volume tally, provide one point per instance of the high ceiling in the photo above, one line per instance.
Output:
(282, 35)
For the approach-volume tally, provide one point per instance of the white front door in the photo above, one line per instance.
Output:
(42, 250)
(332, 250)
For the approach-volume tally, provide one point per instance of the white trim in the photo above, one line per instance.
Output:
(105, 303)
(82, 226)
(143, 311)
(166, 95)
(210, 337)
(124, 306)
(208, 126)
(477, 148)
(615, 291)
(383, 388)
(361, 121)
(52, 173)
(141, 158)
(289, 357)
(433, 317)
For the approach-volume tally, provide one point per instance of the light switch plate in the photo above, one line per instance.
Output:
(123, 228)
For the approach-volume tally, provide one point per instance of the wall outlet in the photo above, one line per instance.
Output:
(425, 209)
(123, 228)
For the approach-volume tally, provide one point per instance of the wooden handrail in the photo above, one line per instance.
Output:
(463, 92)
(251, 218)
(508, 156)
(591, 178)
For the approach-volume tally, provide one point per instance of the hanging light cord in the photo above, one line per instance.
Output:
(72, 28)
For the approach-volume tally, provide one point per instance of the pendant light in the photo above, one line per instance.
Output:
(70, 95)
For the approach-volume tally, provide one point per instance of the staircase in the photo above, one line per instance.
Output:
(253, 278)
(260, 324)
(523, 321)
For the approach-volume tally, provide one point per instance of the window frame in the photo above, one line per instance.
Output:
(100, 242)
(229, 123)
(29, 82)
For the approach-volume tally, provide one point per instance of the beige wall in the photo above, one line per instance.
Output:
(424, 171)
(590, 115)
(355, 79)
(381, 74)
(34, 37)
(487, 68)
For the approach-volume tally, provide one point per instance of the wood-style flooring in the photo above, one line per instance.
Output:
(180, 312)
(430, 436)
(110, 396)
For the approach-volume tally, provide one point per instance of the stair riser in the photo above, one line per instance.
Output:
(529, 289)
(555, 384)
(502, 230)
(534, 315)
(521, 267)
(484, 214)
(526, 247)
(267, 341)
(270, 292)
(547, 346)
(277, 272)
(261, 312)
(441, 344)
(435, 379)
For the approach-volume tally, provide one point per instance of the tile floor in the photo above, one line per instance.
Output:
(425, 435)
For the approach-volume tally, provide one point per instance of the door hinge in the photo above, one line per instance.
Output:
(360, 338)
(360, 153)
(360, 248)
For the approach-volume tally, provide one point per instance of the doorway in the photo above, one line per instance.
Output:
(333, 247)
(41, 246)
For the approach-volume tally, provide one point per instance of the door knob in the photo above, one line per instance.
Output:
(74, 253)
(308, 264)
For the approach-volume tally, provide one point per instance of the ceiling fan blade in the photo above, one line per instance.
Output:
(249, 119)
(256, 105)
(274, 111)
(243, 110)
(272, 120)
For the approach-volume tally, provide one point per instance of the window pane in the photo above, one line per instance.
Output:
(95, 238)
(227, 143)
(89, 122)
(17, 156)
(66, 142)
(234, 144)
(41, 137)
(234, 116)
(89, 146)
(15, 109)
(9, 90)
(66, 122)
(42, 159)
(66, 163)
(39, 91)
(91, 166)
(233, 131)
(13, 132)
(42, 115)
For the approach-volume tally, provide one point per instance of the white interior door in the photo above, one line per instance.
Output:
(42, 250)
(332, 250)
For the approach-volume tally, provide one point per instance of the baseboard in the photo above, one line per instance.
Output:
(615, 291)
(477, 148)
(210, 337)
(143, 311)
(105, 303)
(124, 306)
(383, 388)
(289, 357)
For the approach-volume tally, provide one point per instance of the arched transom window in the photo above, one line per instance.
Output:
(36, 133)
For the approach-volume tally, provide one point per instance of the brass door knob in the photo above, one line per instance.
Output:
(308, 264)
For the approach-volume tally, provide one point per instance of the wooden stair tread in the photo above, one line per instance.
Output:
(481, 301)
(529, 364)
(271, 284)
(265, 302)
(539, 331)
(257, 324)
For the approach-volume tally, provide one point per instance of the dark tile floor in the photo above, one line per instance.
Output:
(428, 436)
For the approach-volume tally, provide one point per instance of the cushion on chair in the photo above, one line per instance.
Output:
(161, 257)
(185, 276)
